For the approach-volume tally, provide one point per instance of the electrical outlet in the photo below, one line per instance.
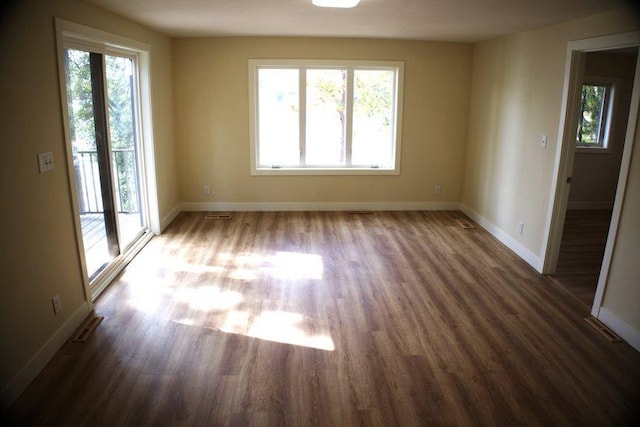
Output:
(207, 190)
(57, 304)
(520, 227)
(437, 190)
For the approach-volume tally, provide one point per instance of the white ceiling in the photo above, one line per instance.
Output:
(450, 20)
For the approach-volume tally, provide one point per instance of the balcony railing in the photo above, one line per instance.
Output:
(88, 187)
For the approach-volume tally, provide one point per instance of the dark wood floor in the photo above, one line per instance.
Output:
(581, 251)
(335, 319)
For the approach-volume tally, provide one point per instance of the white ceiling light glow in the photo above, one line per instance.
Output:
(336, 3)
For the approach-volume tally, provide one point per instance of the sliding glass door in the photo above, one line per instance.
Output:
(107, 157)
(124, 148)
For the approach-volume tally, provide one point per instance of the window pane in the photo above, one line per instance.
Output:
(85, 160)
(592, 108)
(373, 117)
(278, 117)
(124, 149)
(326, 117)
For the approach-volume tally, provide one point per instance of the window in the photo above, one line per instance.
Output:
(595, 114)
(325, 117)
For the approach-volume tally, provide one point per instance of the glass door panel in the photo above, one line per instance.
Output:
(124, 148)
(103, 128)
(82, 129)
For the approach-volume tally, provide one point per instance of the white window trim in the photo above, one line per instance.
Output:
(610, 102)
(254, 64)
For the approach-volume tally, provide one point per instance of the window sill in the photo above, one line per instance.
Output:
(323, 171)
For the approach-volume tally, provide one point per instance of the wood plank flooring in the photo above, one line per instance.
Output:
(335, 319)
(581, 251)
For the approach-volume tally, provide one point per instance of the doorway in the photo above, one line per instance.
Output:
(106, 154)
(607, 84)
(572, 108)
(106, 157)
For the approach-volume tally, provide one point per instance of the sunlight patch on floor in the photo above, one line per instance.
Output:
(295, 266)
(281, 265)
(207, 298)
(275, 326)
(228, 310)
(148, 292)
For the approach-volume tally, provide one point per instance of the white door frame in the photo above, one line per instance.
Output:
(565, 152)
(71, 32)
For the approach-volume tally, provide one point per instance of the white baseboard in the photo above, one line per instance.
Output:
(620, 327)
(517, 247)
(318, 206)
(581, 205)
(164, 223)
(28, 373)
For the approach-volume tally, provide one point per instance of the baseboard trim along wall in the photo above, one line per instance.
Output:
(531, 258)
(620, 327)
(28, 373)
(168, 219)
(318, 206)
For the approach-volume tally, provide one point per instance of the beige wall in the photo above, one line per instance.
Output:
(516, 98)
(39, 255)
(595, 174)
(622, 295)
(212, 121)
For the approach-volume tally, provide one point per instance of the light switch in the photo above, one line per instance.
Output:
(45, 161)
(543, 141)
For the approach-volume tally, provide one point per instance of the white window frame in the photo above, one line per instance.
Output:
(604, 143)
(299, 64)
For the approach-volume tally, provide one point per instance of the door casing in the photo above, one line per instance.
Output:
(565, 152)
(70, 33)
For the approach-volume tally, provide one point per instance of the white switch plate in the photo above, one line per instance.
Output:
(45, 161)
(543, 141)
(57, 304)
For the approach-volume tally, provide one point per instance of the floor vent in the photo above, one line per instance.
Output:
(217, 216)
(361, 212)
(88, 329)
(603, 329)
(464, 223)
